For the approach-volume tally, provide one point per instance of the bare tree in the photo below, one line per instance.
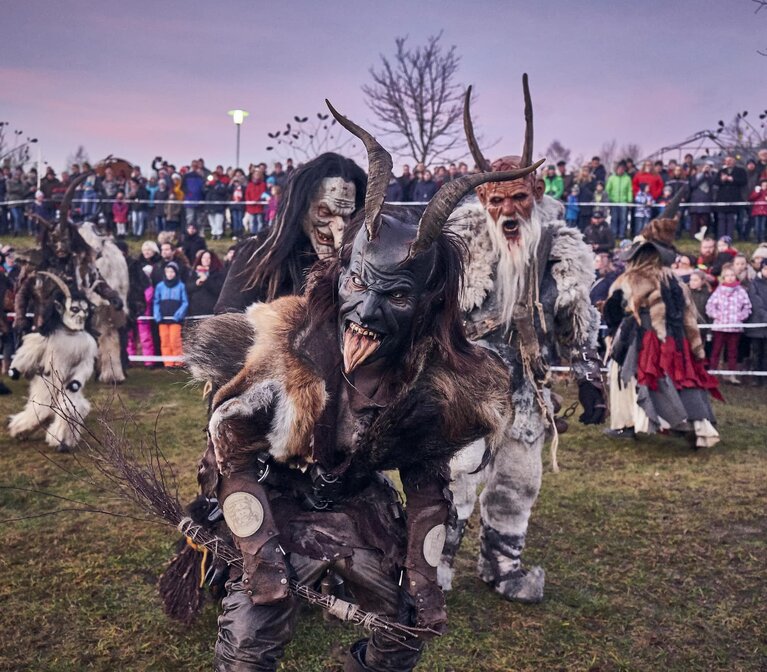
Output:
(14, 150)
(741, 136)
(760, 5)
(608, 153)
(79, 157)
(416, 99)
(631, 151)
(308, 137)
(556, 152)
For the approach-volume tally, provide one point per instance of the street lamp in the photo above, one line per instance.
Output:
(238, 116)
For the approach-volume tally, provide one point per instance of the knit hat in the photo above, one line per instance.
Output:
(760, 251)
(150, 245)
(726, 239)
(173, 265)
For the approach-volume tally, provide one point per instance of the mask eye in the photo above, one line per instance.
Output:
(358, 282)
(399, 295)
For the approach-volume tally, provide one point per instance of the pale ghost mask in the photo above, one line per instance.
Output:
(329, 213)
(73, 313)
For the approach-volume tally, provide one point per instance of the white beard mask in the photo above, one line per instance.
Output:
(329, 213)
(514, 257)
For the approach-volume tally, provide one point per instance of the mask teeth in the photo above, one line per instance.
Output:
(358, 346)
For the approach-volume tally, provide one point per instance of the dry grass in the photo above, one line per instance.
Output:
(655, 560)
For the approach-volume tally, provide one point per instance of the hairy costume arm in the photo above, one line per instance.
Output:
(22, 301)
(29, 358)
(577, 321)
(428, 508)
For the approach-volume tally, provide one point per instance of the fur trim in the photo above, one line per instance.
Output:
(468, 221)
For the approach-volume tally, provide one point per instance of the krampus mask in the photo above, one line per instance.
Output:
(73, 311)
(510, 204)
(394, 268)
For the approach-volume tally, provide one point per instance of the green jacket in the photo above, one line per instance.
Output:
(619, 188)
(555, 186)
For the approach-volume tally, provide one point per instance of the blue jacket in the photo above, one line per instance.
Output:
(170, 303)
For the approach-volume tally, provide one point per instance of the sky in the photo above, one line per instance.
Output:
(142, 78)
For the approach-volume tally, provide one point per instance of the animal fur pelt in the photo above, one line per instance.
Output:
(571, 264)
(275, 401)
(641, 288)
(107, 321)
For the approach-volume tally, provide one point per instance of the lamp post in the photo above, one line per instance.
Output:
(238, 116)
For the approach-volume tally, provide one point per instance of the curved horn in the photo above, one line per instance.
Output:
(527, 150)
(69, 195)
(468, 127)
(48, 224)
(58, 281)
(379, 171)
(672, 207)
(444, 201)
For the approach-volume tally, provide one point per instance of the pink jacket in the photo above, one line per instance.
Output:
(728, 305)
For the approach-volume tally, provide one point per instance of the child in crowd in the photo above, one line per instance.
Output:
(759, 210)
(274, 202)
(757, 294)
(170, 306)
(120, 214)
(643, 212)
(700, 291)
(728, 305)
(572, 209)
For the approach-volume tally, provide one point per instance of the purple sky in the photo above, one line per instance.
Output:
(141, 78)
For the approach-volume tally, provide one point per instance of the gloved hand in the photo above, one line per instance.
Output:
(422, 603)
(14, 374)
(592, 398)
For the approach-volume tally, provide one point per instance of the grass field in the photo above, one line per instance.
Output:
(655, 558)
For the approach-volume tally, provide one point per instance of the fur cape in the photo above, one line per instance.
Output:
(278, 401)
(570, 263)
(641, 288)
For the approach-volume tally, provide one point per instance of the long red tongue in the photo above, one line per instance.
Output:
(357, 348)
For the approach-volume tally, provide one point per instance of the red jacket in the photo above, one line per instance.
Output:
(759, 200)
(253, 192)
(655, 182)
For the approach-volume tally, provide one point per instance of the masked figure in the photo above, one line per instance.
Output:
(58, 359)
(369, 371)
(64, 252)
(657, 373)
(317, 205)
(526, 296)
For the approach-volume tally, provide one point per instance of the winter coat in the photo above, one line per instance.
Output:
(729, 305)
(757, 294)
(236, 195)
(393, 191)
(170, 303)
(555, 186)
(217, 192)
(759, 200)
(192, 244)
(173, 208)
(643, 201)
(655, 182)
(255, 191)
(202, 298)
(193, 185)
(572, 209)
(731, 192)
(423, 191)
(700, 297)
(120, 211)
(600, 237)
(701, 188)
(619, 189)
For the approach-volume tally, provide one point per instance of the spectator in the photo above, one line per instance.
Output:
(274, 204)
(631, 168)
(193, 186)
(731, 181)
(598, 234)
(16, 191)
(620, 192)
(406, 182)
(572, 209)
(660, 171)
(643, 211)
(597, 171)
(605, 274)
(602, 200)
(567, 178)
(216, 196)
(652, 180)
(7, 340)
(757, 294)
(279, 175)
(205, 283)
(289, 167)
(702, 183)
(141, 302)
(683, 267)
(393, 191)
(237, 187)
(425, 188)
(169, 252)
(170, 307)
(554, 184)
(707, 257)
(138, 195)
(174, 208)
(585, 197)
(157, 211)
(758, 198)
(743, 271)
(255, 191)
(4, 175)
(700, 291)
(728, 305)
(108, 187)
(120, 215)
(193, 242)
(757, 256)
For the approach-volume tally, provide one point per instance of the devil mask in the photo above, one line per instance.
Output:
(383, 287)
(380, 293)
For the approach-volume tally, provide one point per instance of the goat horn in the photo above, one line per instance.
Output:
(68, 196)
(672, 207)
(58, 281)
(379, 172)
(48, 224)
(527, 150)
(482, 163)
(445, 200)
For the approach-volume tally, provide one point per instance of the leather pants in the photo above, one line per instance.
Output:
(253, 638)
